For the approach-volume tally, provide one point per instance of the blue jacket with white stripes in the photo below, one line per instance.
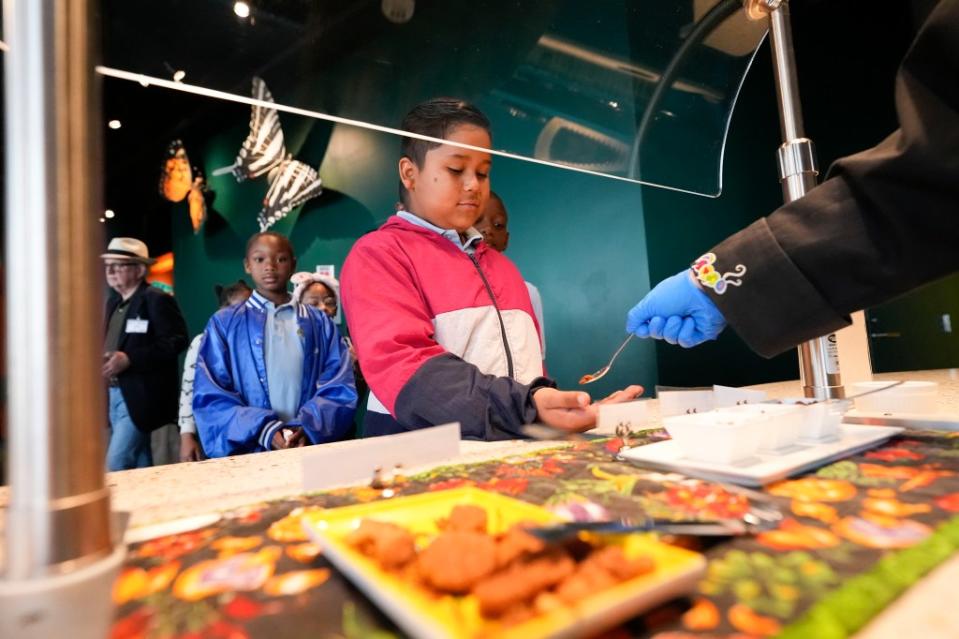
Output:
(231, 398)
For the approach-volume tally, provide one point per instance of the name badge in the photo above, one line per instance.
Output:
(137, 325)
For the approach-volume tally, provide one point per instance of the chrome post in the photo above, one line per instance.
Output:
(58, 520)
(818, 358)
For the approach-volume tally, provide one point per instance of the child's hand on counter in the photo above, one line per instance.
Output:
(574, 411)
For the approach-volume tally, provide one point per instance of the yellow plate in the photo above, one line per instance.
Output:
(425, 615)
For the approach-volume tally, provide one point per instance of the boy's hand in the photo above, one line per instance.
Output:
(297, 439)
(566, 410)
(627, 394)
(115, 363)
(289, 438)
(190, 449)
(573, 410)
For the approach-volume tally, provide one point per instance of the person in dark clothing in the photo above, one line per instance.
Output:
(144, 335)
(885, 221)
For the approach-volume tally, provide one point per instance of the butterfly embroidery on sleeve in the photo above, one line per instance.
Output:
(709, 277)
(264, 153)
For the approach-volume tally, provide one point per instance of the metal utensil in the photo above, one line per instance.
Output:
(751, 523)
(856, 396)
(828, 400)
(592, 377)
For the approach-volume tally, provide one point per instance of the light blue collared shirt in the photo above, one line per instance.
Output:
(283, 353)
(472, 235)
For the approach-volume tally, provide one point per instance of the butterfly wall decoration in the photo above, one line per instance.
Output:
(264, 153)
(177, 181)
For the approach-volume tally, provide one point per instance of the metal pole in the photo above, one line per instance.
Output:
(59, 515)
(818, 358)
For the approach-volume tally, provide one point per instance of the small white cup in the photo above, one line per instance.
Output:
(781, 424)
(715, 438)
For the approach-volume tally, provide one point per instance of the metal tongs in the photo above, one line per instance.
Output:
(755, 521)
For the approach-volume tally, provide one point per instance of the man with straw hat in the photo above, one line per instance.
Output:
(144, 335)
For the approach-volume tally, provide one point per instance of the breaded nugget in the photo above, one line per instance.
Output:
(546, 602)
(455, 561)
(589, 577)
(466, 518)
(390, 545)
(615, 562)
(521, 582)
(517, 615)
(514, 544)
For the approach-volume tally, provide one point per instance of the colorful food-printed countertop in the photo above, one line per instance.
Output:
(857, 534)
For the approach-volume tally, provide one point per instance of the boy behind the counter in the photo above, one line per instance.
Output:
(443, 325)
(271, 373)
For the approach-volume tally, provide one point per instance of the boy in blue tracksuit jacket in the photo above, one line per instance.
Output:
(271, 373)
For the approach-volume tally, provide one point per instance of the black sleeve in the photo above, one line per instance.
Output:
(448, 389)
(885, 222)
(168, 335)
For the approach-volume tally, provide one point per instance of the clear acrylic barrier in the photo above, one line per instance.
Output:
(579, 85)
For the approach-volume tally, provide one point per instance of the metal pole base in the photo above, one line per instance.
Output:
(77, 604)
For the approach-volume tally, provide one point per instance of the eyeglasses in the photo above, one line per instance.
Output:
(328, 301)
(110, 268)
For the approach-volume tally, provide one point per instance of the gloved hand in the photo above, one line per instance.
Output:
(677, 311)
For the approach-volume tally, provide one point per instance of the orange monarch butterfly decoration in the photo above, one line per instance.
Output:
(264, 153)
(178, 182)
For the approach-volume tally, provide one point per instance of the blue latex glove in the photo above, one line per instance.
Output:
(677, 311)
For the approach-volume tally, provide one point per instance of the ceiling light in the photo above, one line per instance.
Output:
(178, 75)
(109, 213)
(102, 220)
(241, 9)
(114, 124)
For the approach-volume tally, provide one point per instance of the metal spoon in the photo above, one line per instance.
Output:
(589, 379)
(750, 523)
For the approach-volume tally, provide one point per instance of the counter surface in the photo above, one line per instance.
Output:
(165, 493)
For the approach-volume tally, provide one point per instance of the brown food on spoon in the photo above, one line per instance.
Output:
(585, 379)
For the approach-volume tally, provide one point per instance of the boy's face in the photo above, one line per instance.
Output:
(492, 224)
(452, 187)
(270, 263)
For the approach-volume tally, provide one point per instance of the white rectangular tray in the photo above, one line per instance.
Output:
(763, 468)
